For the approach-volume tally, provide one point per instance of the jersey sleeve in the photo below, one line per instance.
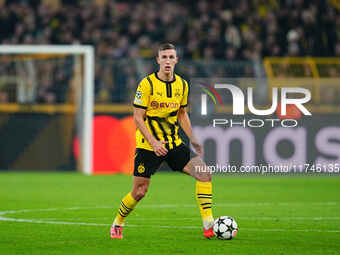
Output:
(142, 95)
(184, 102)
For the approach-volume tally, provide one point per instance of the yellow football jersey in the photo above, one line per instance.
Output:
(161, 100)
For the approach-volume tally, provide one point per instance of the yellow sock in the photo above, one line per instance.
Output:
(126, 206)
(204, 201)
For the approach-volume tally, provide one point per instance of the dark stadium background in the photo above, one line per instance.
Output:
(255, 39)
(48, 206)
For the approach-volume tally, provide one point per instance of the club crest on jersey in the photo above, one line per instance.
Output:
(177, 93)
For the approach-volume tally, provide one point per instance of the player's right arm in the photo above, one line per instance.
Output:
(139, 113)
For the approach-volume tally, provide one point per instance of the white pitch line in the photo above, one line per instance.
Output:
(314, 218)
(331, 203)
(161, 226)
(134, 218)
(53, 209)
(291, 230)
(77, 218)
(51, 222)
(246, 204)
(44, 221)
(137, 219)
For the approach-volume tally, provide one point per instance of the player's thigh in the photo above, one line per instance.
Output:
(179, 157)
(146, 163)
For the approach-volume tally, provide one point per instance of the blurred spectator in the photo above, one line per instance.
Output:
(328, 95)
(334, 72)
(45, 91)
(3, 97)
(337, 50)
(293, 27)
(201, 30)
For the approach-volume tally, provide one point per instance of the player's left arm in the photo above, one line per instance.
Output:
(184, 121)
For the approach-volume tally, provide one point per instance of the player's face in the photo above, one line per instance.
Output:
(167, 59)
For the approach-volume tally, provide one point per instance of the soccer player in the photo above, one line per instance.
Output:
(159, 106)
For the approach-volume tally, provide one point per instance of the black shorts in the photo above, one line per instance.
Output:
(147, 162)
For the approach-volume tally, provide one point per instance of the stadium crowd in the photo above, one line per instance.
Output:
(202, 31)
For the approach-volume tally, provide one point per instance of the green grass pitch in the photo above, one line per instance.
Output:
(69, 213)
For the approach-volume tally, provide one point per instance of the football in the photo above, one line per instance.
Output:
(225, 228)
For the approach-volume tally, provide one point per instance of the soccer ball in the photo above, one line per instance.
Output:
(225, 228)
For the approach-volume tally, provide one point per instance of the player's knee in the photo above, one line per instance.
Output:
(206, 177)
(141, 191)
(140, 194)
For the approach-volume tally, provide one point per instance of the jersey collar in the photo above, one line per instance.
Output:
(174, 79)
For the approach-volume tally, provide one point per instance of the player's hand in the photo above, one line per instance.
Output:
(197, 146)
(158, 148)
